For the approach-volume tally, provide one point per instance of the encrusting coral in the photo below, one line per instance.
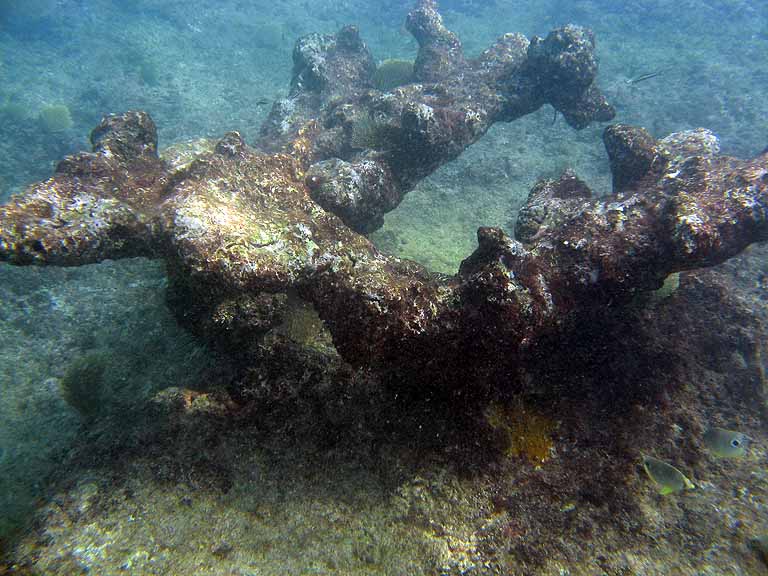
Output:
(242, 222)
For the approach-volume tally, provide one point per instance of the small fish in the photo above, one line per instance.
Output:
(643, 77)
(726, 443)
(262, 101)
(668, 478)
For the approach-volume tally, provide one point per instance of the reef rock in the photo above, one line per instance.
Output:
(413, 129)
(241, 226)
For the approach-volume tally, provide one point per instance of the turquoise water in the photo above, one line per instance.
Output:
(204, 70)
(309, 482)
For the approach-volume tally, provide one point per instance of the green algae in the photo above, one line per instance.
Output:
(391, 73)
(304, 326)
(670, 286)
(55, 118)
(437, 226)
(83, 385)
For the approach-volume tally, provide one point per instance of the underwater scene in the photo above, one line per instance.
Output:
(394, 287)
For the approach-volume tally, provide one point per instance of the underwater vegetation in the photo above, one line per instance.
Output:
(392, 73)
(150, 72)
(12, 110)
(83, 385)
(304, 326)
(373, 133)
(55, 118)
(526, 434)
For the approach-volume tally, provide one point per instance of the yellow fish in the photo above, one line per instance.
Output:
(668, 478)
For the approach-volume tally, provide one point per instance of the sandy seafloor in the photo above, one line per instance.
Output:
(170, 484)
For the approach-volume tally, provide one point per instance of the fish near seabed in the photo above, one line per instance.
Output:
(667, 478)
(726, 443)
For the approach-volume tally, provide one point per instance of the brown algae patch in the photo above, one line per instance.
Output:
(527, 434)
(304, 326)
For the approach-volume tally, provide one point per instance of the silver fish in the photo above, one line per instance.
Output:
(644, 77)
